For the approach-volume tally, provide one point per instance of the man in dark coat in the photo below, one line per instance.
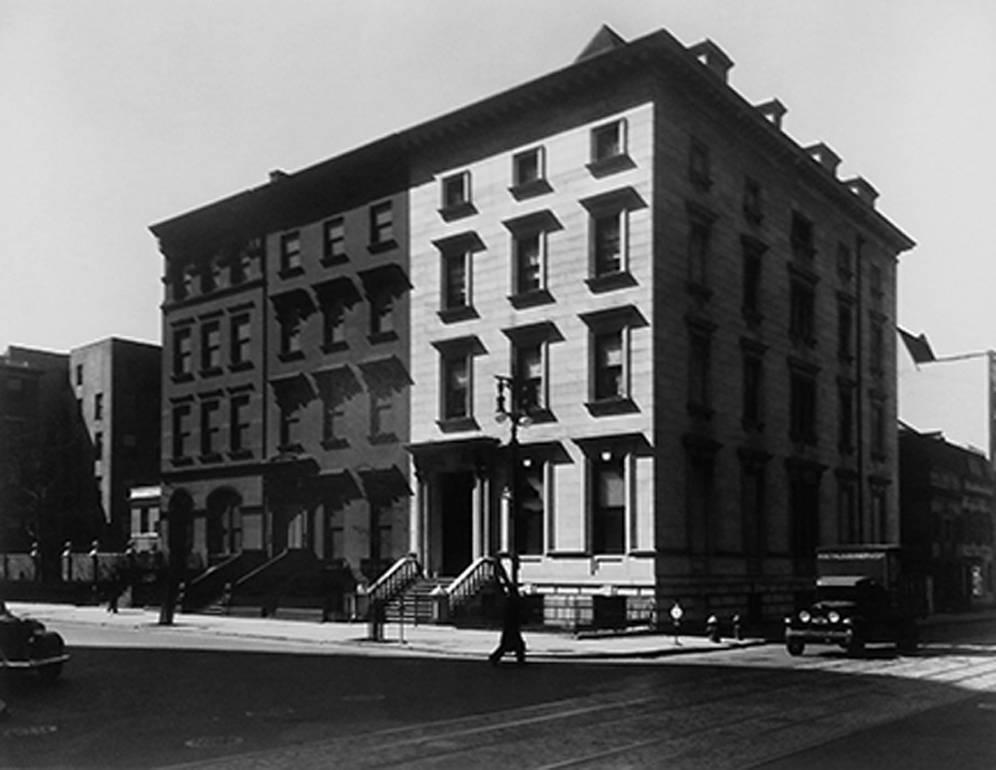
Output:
(511, 634)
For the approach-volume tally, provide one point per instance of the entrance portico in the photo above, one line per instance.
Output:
(457, 515)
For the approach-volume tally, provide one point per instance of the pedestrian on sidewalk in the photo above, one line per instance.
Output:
(511, 629)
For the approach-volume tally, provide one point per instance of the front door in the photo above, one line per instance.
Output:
(456, 509)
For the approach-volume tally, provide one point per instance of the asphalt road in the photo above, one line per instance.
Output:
(154, 698)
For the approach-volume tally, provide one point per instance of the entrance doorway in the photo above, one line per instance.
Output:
(456, 492)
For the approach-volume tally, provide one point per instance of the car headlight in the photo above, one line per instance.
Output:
(804, 616)
(833, 617)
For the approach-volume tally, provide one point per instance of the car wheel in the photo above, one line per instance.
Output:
(795, 648)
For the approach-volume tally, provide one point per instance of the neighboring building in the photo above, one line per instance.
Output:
(116, 386)
(46, 485)
(285, 328)
(948, 523)
(702, 309)
(144, 504)
(698, 310)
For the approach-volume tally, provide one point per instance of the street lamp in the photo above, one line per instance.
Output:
(513, 404)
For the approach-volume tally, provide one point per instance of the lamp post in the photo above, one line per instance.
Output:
(513, 404)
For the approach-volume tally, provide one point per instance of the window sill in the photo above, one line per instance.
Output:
(214, 371)
(185, 377)
(456, 424)
(181, 462)
(454, 314)
(335, 443)
(530, 299)
(541, 415)
(457, 211)
(294, 355)
(609, 406)
(611, 165)
(378, 338)
(331, 260)
(211, 457)
(240, 454)
(376, 247)
(335, 347)
(530, 189)
(383, 438)
(290, 272)
(240, 366)
(610, 281)
(291, 449)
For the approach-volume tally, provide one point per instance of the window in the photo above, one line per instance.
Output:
(876, 348)
(752, 505)
(607, 243)
(333, 326)
(380, 532)
(752, 201)
(79, 374)
(699, 233)
(802, 407)
(456, 386)
(382, 427)
(699, 373)
(290, 418)
(845, 330)
(333, 413)
(290, 253)
(334, 238)
(875, 281)
(456, 279)
(752, 272)
(529, 371)
(845, 417)
(455, 199)
(845, 267)
(531, 509)
(802, 237)
(181, 431)
(239, 425)
(529, 173)
(382, 225)
(608, 142)
(802, 309)
(290, 332)
(241, 340)
(753, 377)
(98, 406)
(211, 346)
(382, 317)
(804, 501)
(182, 353)
(699, 165)
(608, 515)
(878, 424)
(847, 509)
(528, 258)
(98, 445)
(209, 278)
(610, 380)
(210, 428)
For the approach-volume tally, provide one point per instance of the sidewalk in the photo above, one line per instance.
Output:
(425, 639)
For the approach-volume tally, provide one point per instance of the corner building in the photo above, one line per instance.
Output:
(702, 312)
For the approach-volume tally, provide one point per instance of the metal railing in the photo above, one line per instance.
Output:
(396, 579)
(483, 571)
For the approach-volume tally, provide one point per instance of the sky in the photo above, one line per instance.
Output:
(117, 114)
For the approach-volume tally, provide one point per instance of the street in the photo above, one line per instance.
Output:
(157, 697)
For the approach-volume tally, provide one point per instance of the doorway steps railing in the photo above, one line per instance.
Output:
(416, 604)
(209, 586)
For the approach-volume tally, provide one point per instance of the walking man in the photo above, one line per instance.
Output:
(511, 634)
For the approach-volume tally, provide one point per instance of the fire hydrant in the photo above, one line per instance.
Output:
(712, 629)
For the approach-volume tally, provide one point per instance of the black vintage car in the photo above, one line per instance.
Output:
(26, 645)
(851, 611)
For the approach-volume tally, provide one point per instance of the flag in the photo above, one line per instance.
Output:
(918, 347)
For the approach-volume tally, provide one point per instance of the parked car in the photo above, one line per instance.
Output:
(26, 645)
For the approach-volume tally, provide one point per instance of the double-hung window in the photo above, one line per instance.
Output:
(211, 346)
(531, 504)
(529, 174)
(238, 430)
(609, 216)
(290, 253)
(181, 431)
(530, 244)
(802, 404)
(608, 503)
(610, 380)
(455, 196)
(241, 340)
(210, 429)
(382, 226)
(456, 382)
(334, 233)
(182, 353)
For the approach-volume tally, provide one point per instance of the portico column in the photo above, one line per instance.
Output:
(478, 511)
(416, 518)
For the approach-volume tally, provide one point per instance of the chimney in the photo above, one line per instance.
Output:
(860, 187)
(773, 111)
(824, 156)
(712, 56)
(277, 174)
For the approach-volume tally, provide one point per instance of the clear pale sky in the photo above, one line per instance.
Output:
(116, 114)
